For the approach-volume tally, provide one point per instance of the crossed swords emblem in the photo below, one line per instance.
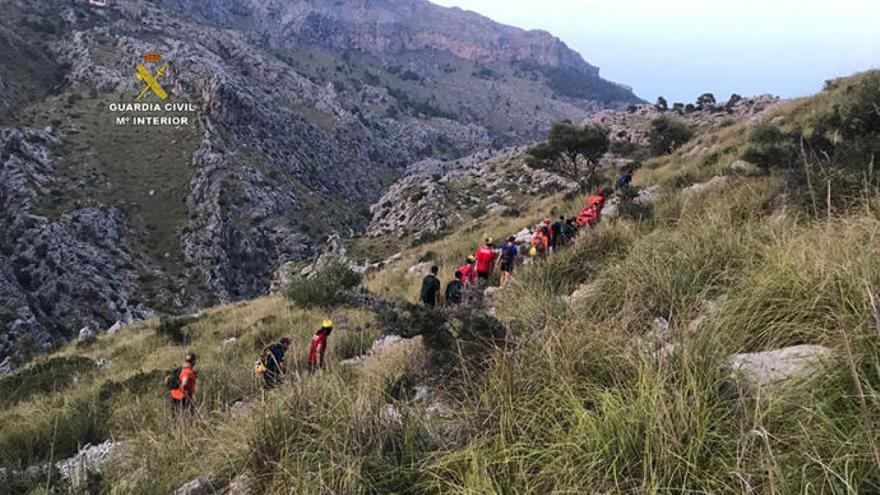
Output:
(152, 81)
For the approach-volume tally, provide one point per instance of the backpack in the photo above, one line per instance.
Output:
(172, 381)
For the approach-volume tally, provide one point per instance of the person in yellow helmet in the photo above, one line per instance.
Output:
(319, 345)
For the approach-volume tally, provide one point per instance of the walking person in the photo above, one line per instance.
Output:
(454, 289)
(468, 272)
(485, 257)
(430, 288)
(183, 384)
(509, 253)
(273, 363)
(319, 346)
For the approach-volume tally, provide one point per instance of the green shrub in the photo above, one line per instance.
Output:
(666, 135)
(171, 328)
(353, 342)
(323, 288)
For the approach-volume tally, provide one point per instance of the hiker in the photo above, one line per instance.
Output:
(430, 288)
(538, 242)
(183, 394)
(454, 289)
(319, 345)
(624, 180)
(468, 272)
(569, 229)
(556, 231)
(485, 260)
(508, 259)
(273, 362)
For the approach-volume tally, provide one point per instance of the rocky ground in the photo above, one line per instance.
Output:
(307, 112)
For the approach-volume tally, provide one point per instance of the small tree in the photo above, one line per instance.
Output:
(668, 134)
(706, 101)
(661, 104)
(571, 151)
(732, 101)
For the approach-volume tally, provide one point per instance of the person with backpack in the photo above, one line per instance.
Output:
(430, 288)
(556, 231)
(183, 384)
(509, 253)
(485, 257)
(273, 362)
(454, 289)
(468, 272)
(319, 346)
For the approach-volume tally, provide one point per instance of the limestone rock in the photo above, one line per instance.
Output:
(771, 367)
(419, 270)
(86, 334)
(203, 485)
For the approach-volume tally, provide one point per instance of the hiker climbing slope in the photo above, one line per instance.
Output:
(273, 362)
(183, 384)
(430, 288)
(454, 289)
(485, 260)
(318, 347)
(508, 256)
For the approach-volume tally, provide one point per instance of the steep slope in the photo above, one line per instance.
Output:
(624, 365)
(304, 113)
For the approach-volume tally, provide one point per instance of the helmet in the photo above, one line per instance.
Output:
(327, 324)
(533, 251)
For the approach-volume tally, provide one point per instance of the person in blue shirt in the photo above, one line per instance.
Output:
(508, 259)
(624, 180)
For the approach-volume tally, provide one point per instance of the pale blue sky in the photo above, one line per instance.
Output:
(681, 48)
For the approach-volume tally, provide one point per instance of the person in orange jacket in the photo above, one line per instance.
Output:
(183, 396)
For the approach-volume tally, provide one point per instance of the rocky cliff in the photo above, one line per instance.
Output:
(305, 113)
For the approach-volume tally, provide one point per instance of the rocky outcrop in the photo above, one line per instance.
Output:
(632, 125)
(769, 368)
(437, 195)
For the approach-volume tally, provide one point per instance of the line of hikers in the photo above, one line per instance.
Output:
(271, 366)
(529, 243)
(536, 241)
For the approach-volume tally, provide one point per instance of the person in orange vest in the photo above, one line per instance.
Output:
(468, 272)
(319, 346)
(485, 257)
(183, 396)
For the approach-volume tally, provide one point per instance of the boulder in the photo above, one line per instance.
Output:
(228, 342)
(6, 367)
(240, 485)
(712, 183)
(419, 270)
(115, 328)
(771, 367)
(203, 485)
(86, 334)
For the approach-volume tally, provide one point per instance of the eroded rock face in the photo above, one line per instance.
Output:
(762, 369)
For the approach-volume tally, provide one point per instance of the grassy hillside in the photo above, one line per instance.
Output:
(585, 396)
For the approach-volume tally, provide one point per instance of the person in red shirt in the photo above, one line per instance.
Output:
(485, 260)
(182, 397)
(319, 346)
(468, 272)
